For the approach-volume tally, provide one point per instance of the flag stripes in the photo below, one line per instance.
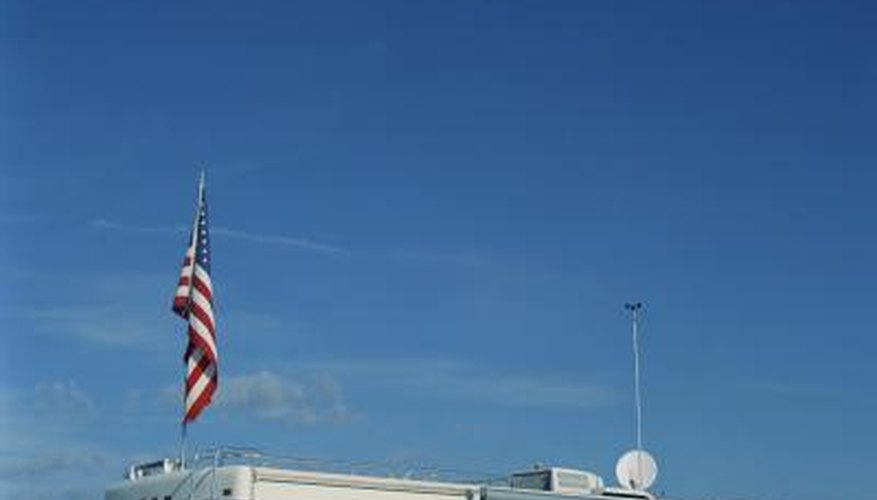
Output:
(181, 299)
(194, 303)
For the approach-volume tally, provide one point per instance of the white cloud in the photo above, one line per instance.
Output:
(263, 395)
(269, 396)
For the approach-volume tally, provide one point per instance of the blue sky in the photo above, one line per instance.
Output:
(427, 217)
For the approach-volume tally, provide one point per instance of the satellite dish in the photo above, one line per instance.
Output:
(636, 470)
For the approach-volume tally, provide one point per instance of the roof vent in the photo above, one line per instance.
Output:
(153, 468)
(558, 480)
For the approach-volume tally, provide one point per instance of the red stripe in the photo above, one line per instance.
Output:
(203, 288)
(205, 397)
(181, 306)
(202, 316)
(202, 401)
(181, 299)
(196, 339)
(191, 287)
(199, 369)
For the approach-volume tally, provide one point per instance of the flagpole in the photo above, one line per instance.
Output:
(200, 204)
(192, 244)
(183, 428)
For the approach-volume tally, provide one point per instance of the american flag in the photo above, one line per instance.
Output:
(194, 303)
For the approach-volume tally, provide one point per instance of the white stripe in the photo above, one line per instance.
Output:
(202, 275)
(202, 332)
(200, 328)
(186, 272)
(196, 391)
(199, 387)
(192, 364)
(199, 299)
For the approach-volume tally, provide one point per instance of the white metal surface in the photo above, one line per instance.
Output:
(558, 479)
(280, 484)
(252, 482)
(636, 469)
(201, 484)
(240, 482)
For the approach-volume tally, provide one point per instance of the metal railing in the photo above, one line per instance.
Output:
(398, 469)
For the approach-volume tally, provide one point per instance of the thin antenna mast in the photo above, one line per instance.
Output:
(634, 308)
(637, 468)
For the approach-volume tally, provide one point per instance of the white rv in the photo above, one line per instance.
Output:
(218, 480)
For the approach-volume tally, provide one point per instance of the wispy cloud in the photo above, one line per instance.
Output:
(399, 257)
(41, 452)
(101, 223)
(109, 326)
(268, 396)
(279, 239)
(62, 470)
(46, 463)
(425, 258)
(458, 380)
(63, 398)
(138, 324)
(301, 243)
(36, 424)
